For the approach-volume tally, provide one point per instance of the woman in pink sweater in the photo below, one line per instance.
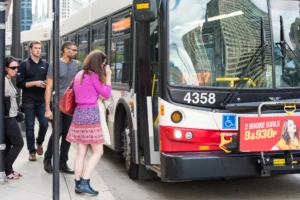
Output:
(89, 84)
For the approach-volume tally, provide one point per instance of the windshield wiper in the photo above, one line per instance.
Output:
(248, 72)
(251, 66)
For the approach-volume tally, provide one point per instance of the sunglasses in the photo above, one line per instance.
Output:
(14, 67)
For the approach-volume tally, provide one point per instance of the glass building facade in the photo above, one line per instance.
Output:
(26, 14)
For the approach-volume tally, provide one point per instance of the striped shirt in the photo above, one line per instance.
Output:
(12, 92)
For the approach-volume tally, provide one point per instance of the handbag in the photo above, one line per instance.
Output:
(67, 101)
(20, 117)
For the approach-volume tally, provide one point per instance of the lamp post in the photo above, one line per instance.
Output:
(55, 100)
(3, 7)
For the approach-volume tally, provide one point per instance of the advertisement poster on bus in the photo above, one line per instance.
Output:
(269, 133)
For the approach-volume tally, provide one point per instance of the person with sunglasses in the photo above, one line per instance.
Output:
(13, 137)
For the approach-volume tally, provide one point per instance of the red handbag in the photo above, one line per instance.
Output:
(67, 101)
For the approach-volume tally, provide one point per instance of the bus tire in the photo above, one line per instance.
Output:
(131, 167)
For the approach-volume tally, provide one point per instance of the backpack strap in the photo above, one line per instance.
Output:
(27, 64)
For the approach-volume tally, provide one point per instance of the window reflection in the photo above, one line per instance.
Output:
(45, 51)
(98, 38)
(71, 38)
(287, 56)
(214, 44)
(26, 52)
(120, 49)
(83, 51)
(120, 61)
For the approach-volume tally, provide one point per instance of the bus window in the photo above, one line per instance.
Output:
(120, 61)
(83, 38)
(120, 49)
(45, 51)
(71, 38)
(98, 37)
(217, 40)
(26, 52)
(287, 58)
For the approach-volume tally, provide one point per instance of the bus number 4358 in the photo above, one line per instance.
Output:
(202, 98)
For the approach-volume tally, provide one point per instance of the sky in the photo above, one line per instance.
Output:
(40, 6)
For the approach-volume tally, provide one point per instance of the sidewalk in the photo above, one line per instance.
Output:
(36, 184)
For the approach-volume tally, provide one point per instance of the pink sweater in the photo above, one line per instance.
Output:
(87, 93)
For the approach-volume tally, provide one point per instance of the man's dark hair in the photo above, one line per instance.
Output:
(67, 44)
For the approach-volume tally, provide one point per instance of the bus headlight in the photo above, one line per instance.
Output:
(177, 134)
(188, 135)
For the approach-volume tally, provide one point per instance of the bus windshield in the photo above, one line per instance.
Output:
(218, 43)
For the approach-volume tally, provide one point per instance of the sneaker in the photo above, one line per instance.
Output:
(32, 157)
(40, 149)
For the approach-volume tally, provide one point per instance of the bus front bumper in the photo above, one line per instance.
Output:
(213, 165)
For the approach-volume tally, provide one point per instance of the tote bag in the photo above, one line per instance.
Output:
(102, 112)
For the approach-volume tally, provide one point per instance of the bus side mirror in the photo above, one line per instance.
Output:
(145, 10)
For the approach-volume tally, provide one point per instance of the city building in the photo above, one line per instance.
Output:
(8, 31)
(43, 10)
(69, 7)
(26, 14)
(294, 35)
(237, 39)
(200, 52)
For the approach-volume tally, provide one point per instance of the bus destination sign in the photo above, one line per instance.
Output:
(121, 27)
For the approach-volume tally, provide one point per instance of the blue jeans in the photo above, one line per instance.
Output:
(31, 111)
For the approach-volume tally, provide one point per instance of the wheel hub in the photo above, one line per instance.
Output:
(126, 147)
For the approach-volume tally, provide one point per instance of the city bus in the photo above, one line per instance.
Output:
(184, 78)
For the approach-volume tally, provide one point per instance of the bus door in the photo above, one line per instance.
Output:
(152, 102)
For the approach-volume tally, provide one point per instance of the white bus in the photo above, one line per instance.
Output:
(182, 82)
(42, 34)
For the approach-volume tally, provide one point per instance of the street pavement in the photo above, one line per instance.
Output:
(36, 184)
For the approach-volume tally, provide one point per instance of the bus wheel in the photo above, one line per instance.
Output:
(131, 167)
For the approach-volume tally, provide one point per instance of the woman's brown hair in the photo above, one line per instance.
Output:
(95, 62)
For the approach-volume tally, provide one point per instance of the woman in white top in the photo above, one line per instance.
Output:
(13, 138)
